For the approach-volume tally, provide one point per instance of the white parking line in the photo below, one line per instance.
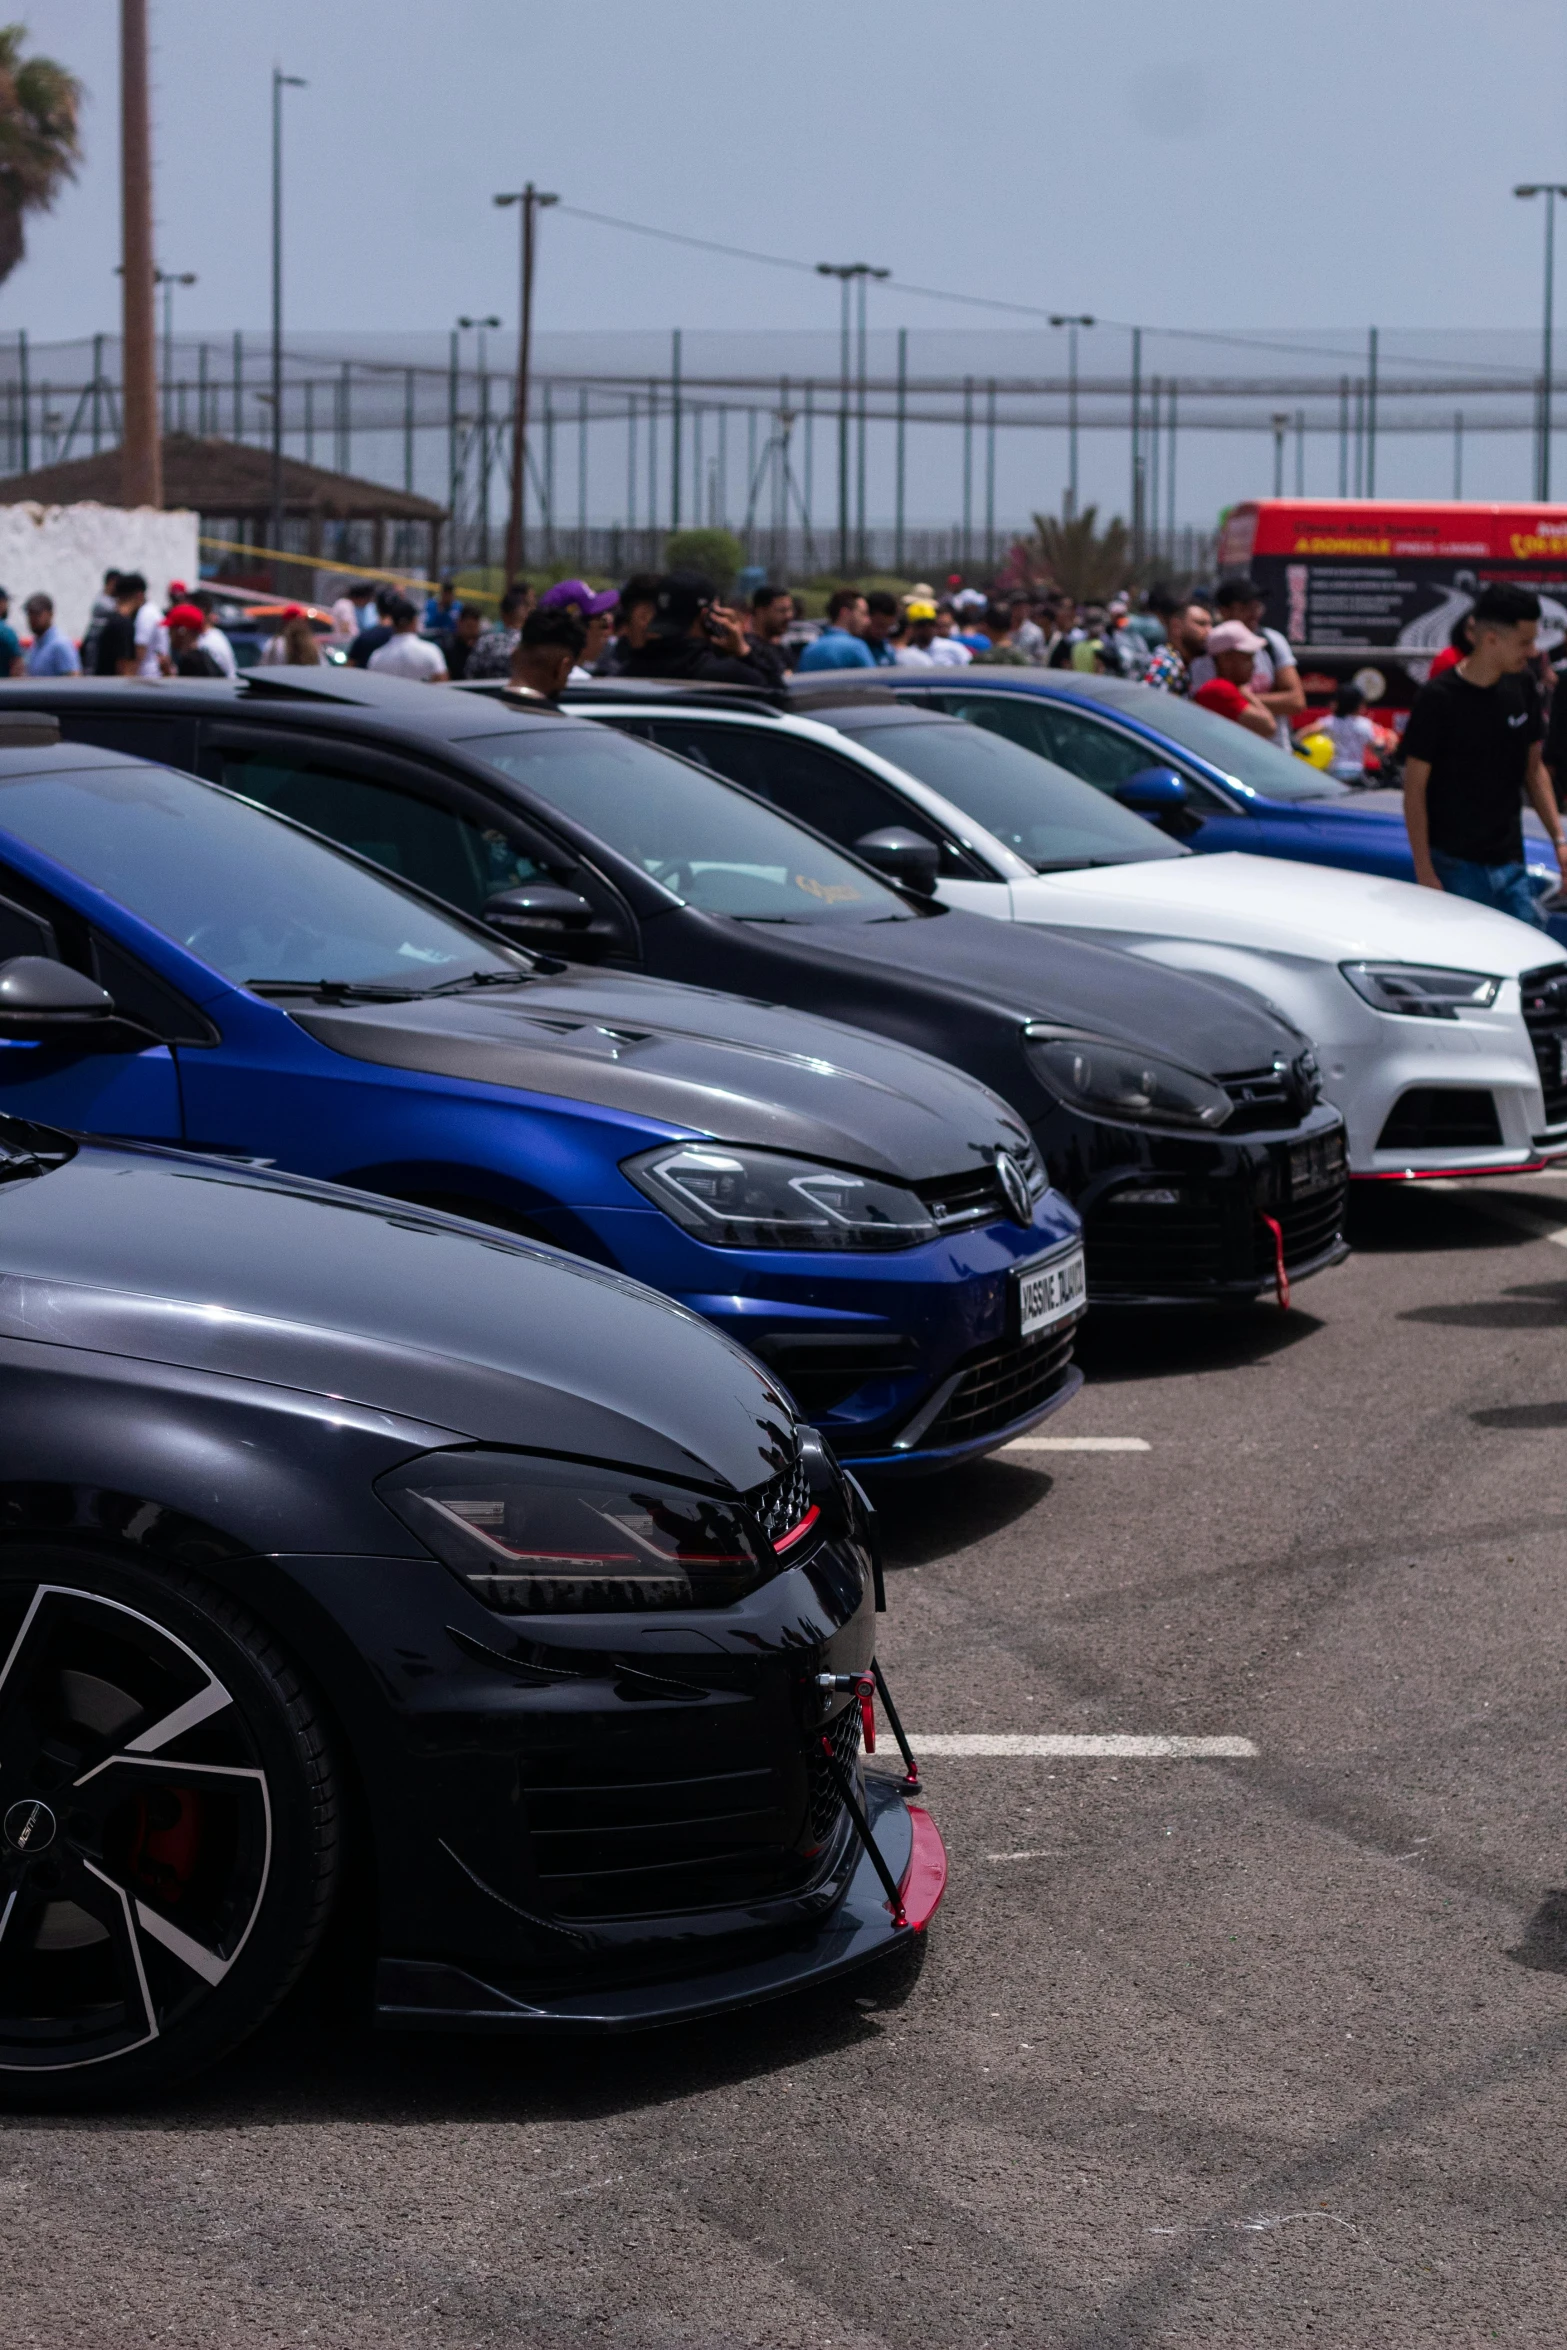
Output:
(995, 1744)
(1077, 1444)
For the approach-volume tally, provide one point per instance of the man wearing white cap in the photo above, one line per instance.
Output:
(1233, 650)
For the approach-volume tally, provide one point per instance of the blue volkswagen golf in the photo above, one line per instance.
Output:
(178, 965)
(1195, 774)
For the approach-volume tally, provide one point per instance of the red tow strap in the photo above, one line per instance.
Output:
(1281, 1279)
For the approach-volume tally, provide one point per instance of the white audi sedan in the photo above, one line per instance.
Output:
(1440, 1027)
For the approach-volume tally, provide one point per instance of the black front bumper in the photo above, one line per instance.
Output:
(426, 1995)
(1178, 1220)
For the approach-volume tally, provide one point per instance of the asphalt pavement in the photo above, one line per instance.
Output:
(1257, 2050)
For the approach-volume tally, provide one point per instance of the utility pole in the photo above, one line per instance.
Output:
(533, 200)
(483, 325)
(1280, 423)
(845, 272)
(1371, 413)
(168, 280)
(1071, 323)
(141, 452)
(280, 82)
(1550, 190)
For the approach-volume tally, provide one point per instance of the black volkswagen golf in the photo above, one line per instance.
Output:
(360, 1558)
(1182, 1120)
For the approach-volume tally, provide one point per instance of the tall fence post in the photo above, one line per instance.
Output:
(1371, 414)
(239, 385)
(1343, 436)
(968, 473)
(1137, 445)
(408, 429)
(582, 477)
(674, 427)
(631, 464)
(990, 475)
(901, 456)
(97, 390)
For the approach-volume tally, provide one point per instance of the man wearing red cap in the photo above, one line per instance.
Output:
(186, 657)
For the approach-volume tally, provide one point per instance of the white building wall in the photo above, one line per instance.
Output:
(64, 551)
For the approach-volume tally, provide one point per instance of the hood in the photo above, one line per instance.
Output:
(1023, 974)
(715, 1065)
(170, 1258)
(1320, 913)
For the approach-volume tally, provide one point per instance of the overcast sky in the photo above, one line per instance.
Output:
(1237, 164)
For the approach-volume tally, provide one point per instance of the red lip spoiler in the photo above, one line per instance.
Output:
(925, 1878)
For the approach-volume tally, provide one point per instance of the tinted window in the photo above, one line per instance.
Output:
(245, 893)
(1234, 751)
(1045, 814)
(798, 776)
(434, 847)
(705, 842)
(1085, 746)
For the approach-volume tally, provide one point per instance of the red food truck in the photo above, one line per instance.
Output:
(1368, 589)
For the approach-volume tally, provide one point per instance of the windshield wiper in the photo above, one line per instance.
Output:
(472, 979)
(337, 991)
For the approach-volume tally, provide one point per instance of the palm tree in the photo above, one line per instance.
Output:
(1088, 562)
(40, 138)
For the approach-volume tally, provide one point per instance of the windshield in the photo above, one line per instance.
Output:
(1046, 815)
(1262, 766)
(703, 840)
(249, 895)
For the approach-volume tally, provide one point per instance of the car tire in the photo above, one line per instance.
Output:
(169, 1826)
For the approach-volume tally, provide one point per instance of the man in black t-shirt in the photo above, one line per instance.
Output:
(1471, 752)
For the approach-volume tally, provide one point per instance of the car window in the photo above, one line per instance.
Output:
(437, 848)
(834, 795)
(1262, 766)
(1105, 757)
(252, 897)
(1048, 816)
(706, 842)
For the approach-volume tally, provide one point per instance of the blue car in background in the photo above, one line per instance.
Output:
(179, 966)
(1200, 777)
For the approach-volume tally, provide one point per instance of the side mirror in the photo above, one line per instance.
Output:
(540, 914)
(903, 856)
(40, 998)
(1152, 791)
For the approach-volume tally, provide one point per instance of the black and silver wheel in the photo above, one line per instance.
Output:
(168, 1827)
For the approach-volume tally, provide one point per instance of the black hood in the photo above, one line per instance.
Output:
(1024, 973)
(718, 1065)
(169, 1258)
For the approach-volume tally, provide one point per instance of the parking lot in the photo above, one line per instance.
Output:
(1200, 2050)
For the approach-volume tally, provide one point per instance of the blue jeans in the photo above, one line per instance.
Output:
(1506, 887)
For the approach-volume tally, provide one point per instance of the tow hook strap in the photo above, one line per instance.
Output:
(1281, 1279)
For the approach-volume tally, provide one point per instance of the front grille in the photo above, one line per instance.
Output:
(824, 1801)
(1002, 1384)
(782, 1502)
(1441, 1118)
(1168, 1239)
(1265, 1099)
(609, 1846)
(971, 1198)
(1307, 1227)
(1544, 999)
(820, 1371)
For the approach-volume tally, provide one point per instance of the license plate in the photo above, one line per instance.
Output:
(1316, 1165)
(1047, 1293)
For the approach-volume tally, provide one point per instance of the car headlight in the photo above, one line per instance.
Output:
(537, 1537)
(760, 1199)
(1122, 1082)
(1420, 991)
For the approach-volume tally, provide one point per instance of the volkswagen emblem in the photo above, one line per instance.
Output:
(29, 1826)
(1014, 1188)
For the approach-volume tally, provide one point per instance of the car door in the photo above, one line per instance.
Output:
(807, 781)
(131, 1091)
(430, 828)
(1104, 755)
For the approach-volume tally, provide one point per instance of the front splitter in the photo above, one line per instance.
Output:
(430, 1995)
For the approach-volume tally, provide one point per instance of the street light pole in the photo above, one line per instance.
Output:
(281, 81)
(482, 325)
(844, 272)
(169, 279)
(141, 450)
(1072, 323)
(533, 200)
(1280, 422)
(1550, 190)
